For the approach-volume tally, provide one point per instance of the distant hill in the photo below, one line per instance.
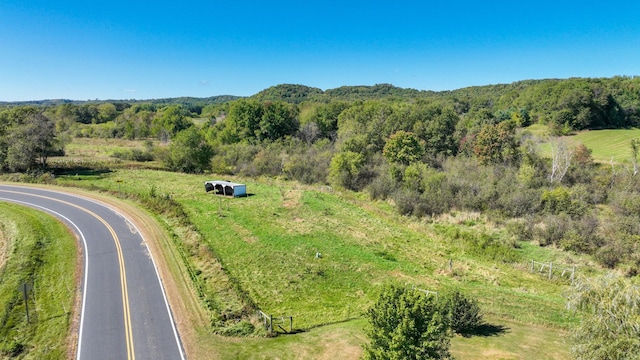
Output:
(220, 99)
(290, 93)
(377, 91)
(554, 99)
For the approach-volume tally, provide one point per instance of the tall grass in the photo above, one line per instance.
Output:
(42, 253)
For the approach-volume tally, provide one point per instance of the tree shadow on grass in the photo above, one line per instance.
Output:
(486, 330)
(80, 172)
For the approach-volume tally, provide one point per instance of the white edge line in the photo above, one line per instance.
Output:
(164, 295)
(86, 260)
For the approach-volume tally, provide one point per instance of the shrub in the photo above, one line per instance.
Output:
(463, 313)
(133, 155)
(521, 229)
(406, 324)
(382, 187)
(553, 229)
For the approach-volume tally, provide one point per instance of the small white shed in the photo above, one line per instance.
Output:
(226, 188)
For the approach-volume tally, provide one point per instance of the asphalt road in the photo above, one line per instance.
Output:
(125, 314)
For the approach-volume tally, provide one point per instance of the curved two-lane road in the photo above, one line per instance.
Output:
(125, 314)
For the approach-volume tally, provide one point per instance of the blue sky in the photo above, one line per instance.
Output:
(141, 49)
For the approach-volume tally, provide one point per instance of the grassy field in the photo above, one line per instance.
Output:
(268, 242)
(40, 251)
(606, 145)
(609, 144)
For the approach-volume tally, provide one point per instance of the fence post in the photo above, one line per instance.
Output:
(550, 270)
(532, 264)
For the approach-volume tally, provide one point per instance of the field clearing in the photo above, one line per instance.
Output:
(606, 145)
(269, 241)
(98, 153)
(99, 148)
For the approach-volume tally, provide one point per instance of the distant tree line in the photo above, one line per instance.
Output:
(427, 152)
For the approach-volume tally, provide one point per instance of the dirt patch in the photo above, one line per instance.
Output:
(245, 234)
(497, 354)
(338, 347)
(291, 198)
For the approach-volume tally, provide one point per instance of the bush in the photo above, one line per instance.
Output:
(489, 246)
(406, 324)
(382, 187)
(133, 155)
(521, 229)
(553, 229)
(463, 313)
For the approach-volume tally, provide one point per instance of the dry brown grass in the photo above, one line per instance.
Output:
(97, 148)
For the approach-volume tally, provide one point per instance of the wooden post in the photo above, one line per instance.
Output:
(24, 287)
(532, 264)
(550, 270)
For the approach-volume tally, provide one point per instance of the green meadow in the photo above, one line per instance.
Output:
(608, 145)
(605, 145)
(321, 256)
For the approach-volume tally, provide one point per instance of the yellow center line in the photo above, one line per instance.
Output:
(123, 273)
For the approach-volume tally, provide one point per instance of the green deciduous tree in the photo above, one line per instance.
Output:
(405, 324)
(344, 169)
(189, 152)
(171, 121)
(404, 148)
(29, 143)
(278, 120)
(243, 121)
(496, 143)
(436, 127)
(326, 117)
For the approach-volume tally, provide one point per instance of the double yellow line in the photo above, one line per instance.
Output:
(123, 273)
(123, 283)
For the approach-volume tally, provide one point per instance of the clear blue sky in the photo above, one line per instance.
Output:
(148, 49)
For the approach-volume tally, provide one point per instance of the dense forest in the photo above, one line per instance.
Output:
(427, 152)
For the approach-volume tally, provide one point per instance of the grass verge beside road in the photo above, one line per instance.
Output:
(41, 252)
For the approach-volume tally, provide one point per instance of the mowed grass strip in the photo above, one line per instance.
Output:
(43, 253)
(609, 144)
(605, 145)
